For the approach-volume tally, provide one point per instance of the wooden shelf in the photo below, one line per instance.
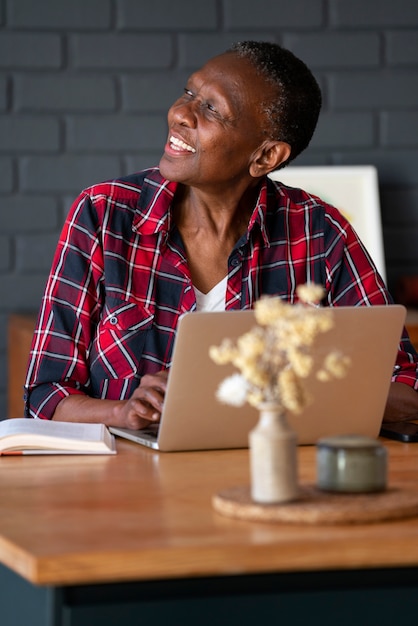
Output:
(20, 332)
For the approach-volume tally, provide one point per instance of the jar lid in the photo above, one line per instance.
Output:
(349, 441)
(351, 464)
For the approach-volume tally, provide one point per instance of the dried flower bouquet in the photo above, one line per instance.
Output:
(274, 357)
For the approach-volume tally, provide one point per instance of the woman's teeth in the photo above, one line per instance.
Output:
(178, 144)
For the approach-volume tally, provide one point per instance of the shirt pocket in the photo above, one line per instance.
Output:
(119, 341)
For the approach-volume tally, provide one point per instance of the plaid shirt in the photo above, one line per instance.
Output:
(120, 280)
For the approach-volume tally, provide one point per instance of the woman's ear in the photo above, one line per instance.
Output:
(269, 157)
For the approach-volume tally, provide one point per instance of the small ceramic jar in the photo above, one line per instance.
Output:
(351, 464)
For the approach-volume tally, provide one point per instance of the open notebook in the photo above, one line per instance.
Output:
(193, 419)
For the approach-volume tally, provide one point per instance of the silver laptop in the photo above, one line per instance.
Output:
(193, 418)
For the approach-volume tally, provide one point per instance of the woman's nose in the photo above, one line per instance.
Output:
(184, 113)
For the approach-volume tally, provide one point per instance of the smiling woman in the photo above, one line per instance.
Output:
(218, 148)
(221, 120)
(207, 229)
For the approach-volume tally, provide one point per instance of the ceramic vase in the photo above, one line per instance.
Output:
(273, 457)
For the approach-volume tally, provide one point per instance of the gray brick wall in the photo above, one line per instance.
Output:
(85, 85)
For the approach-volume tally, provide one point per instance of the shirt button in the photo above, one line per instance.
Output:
(113, 320)
(235, 262)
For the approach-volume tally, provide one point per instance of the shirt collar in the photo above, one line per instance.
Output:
(259, 215)
(153, 214)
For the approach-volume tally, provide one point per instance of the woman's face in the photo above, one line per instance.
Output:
(217, 125)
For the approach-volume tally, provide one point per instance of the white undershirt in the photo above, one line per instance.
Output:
(214, 300)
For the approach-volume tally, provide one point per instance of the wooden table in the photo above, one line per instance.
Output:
(133, 539)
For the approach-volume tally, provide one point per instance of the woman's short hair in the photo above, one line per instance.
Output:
(294, 115)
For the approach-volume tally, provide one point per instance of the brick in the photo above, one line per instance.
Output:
(80, 14)
(116, 133)
(399, 206)
(3, 400)
(344, 129)
(63, 92)
(143, 160)
(19, 50)
(122, 51)
(166, 14)
(3, 94)
(5, 254)
(272, 15)
(6, 175)
(29, 133)
(24, 293)
(330, 49)
(152, 92)
(3, 374)
(398, 128)
(28, 214)
(374, 90)
(4, 321)
(34, 253)
(67, 202)
(402, 48)
(195, 50)
(311, 157)
(395, 167)
(68, 173)
(373, 13)
(4, 377)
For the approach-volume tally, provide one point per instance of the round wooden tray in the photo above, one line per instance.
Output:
(320, 507)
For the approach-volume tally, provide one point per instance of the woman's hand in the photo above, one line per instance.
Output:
(142, 409)
(145, 404)
(402, 403)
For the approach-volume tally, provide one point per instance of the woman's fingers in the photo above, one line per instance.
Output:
(146, 403)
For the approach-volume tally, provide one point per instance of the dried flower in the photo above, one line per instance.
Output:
(335, 366)
(274, 356)
(310, 292)
(233, 390)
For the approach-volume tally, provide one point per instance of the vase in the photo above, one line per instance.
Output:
(273, 457)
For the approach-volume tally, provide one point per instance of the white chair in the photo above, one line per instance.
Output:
(353, 190)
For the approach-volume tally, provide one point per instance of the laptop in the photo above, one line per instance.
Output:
(193, 418)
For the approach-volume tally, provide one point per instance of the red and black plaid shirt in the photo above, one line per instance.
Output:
(120, 280)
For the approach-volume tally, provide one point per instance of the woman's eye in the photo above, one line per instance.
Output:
(188, 93)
